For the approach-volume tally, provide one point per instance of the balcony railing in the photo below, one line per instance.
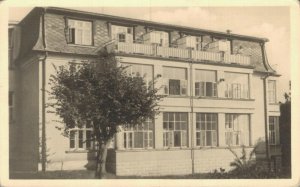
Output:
(172, 52)
(204, 55)
(237, 59)
(155, 50)
(135, 48)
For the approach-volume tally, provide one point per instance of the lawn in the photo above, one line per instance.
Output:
(89, 174)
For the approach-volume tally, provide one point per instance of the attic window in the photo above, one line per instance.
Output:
(122, 33)
(79, 32)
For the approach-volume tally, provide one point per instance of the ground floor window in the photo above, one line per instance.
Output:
(175, 129)
(206, 129)
(273, 130)
(139, 136)
(80, 138)
(236, 129)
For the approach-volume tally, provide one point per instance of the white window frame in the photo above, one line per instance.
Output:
(203, 84)
(117, 30)
(169, 132)
(199, 130)
(82, 30)
(237, 90)
(147, 130)
(272, 91)
(183, 83)
(234, 129)
(76, 139)
(274, 133)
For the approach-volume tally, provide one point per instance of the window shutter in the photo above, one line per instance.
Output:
(71, 37)
(197, 88)
(215, 89)
(166, 86)
(79, 36)
(202, 89)
(183, 87)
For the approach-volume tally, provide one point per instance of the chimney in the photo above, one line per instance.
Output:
(228, 31)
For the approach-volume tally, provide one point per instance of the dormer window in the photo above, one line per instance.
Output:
(79, 32)
(122, 33)
(121, 37)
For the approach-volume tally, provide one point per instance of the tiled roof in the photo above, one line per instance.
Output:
(55, 39)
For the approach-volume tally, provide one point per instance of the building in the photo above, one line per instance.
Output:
(220, 91)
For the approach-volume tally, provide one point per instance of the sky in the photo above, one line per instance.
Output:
(267, 22)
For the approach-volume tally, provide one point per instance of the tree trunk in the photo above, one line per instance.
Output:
(101, 160)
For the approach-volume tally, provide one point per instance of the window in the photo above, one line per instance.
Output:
(205, 83)
(175, 129)
(122, 34)
(206, 129)
(139, 136)
(274, 130)
(237, 129)
(121, 37)
(11, 105)
(81, 138)
(175, 81)
(139, 70)
(272, 91)
(79, 32)
(237, 85)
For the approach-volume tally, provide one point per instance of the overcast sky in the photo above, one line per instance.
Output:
(268, 22)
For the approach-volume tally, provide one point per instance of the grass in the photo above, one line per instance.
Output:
(78, 174)
(89, 174)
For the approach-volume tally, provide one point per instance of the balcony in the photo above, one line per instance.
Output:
(180, 53)
(207, 56)
(236, 59)
(172, 52)
(135, 48)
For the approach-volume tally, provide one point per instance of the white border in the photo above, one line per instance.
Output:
(295, 41)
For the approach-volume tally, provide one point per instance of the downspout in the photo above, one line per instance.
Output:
(266, 105)
(266, 119)
(192, 113)
(44, 145)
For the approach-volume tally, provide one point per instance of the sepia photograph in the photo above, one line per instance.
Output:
(105, 93)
